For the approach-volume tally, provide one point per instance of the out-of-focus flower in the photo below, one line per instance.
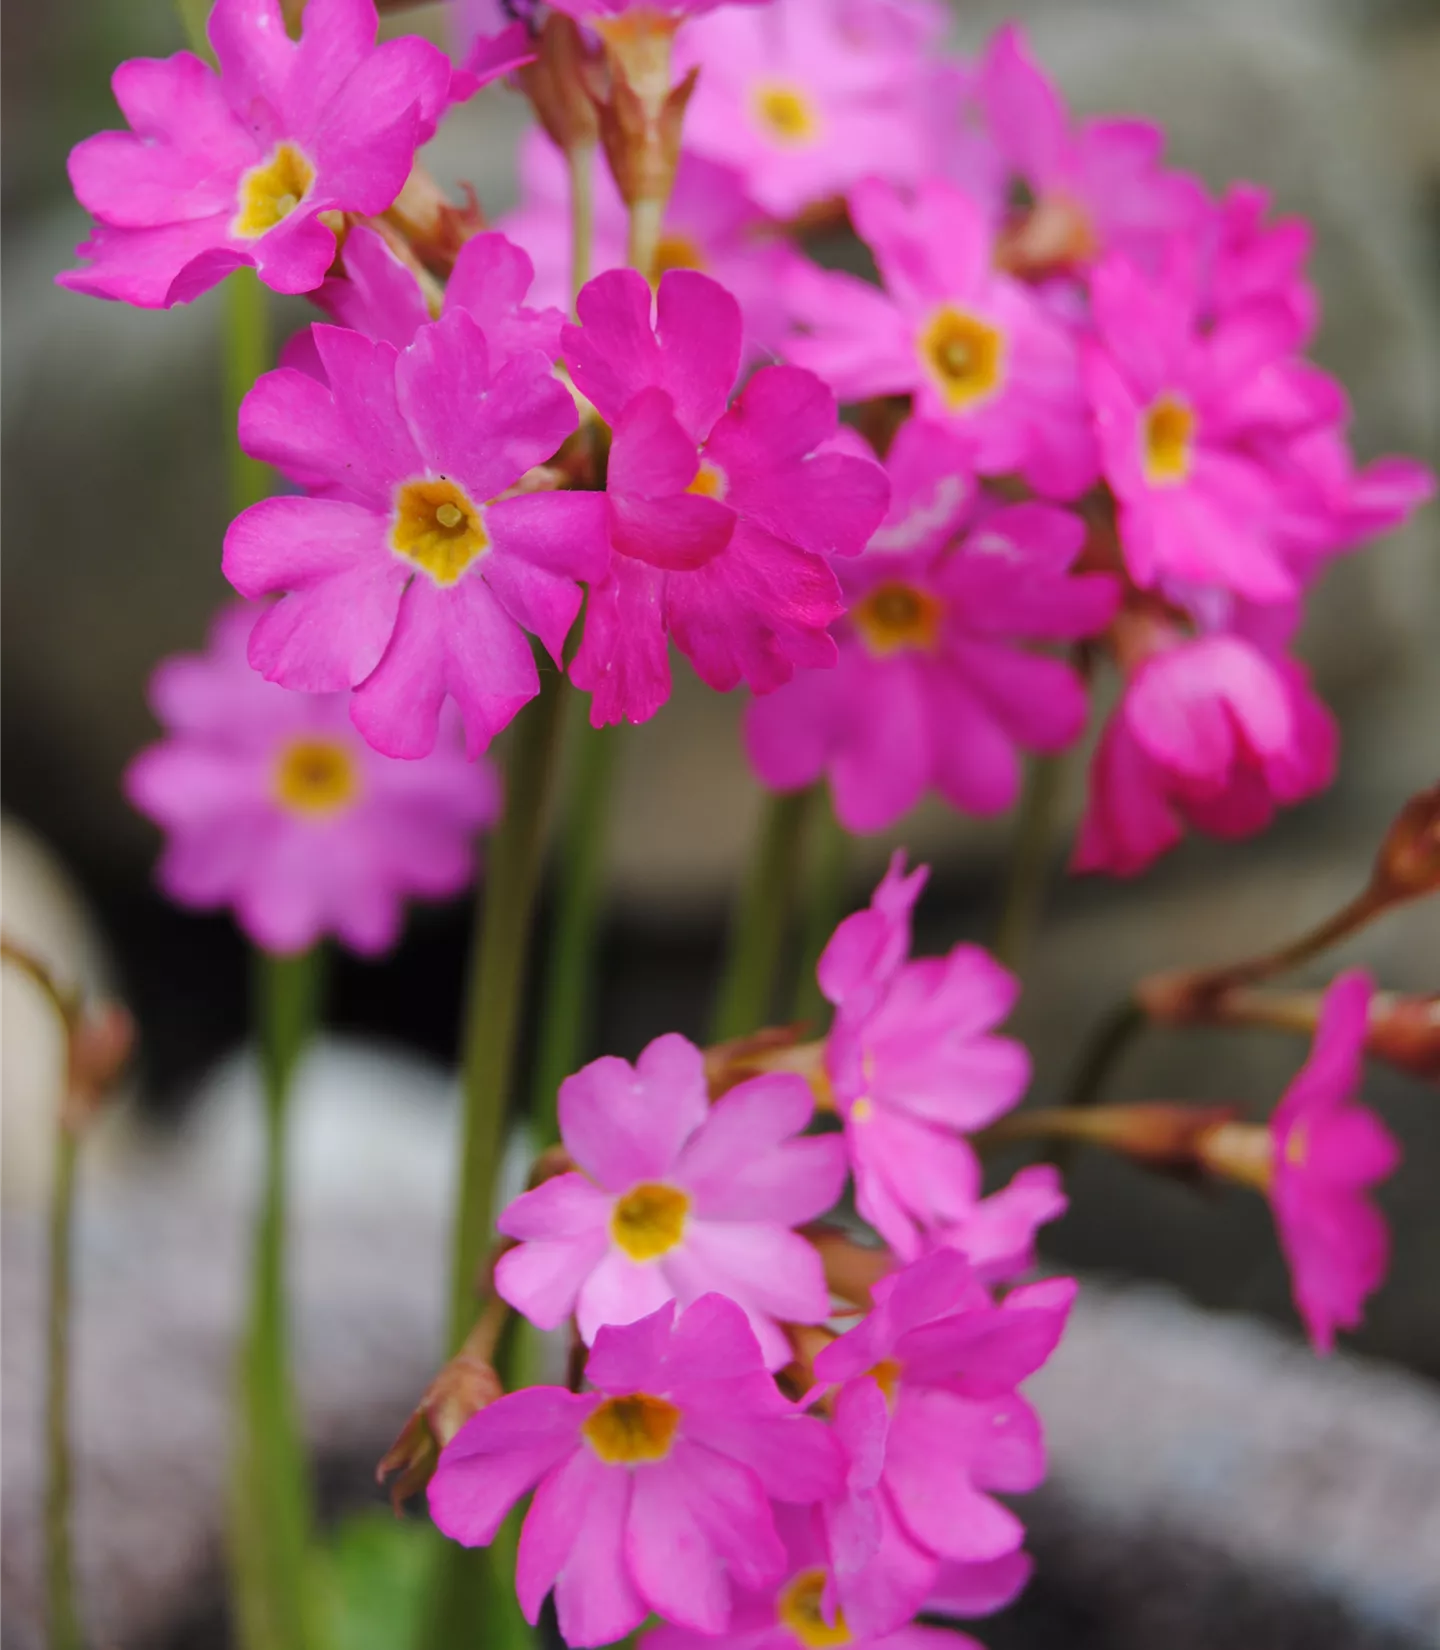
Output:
(219, 171)
(652, 1490)
(975, 348)
(273, 806)
(721, 518)
(997, 1235)
(913, 1064)
(675, 1198)
(933, 686)
(807, 97)
(421, 579)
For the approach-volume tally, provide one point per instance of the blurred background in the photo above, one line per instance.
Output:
(1213, 1485)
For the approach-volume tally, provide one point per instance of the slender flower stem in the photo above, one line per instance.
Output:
(1028, 875)
(61, 1616)
(247, 355)
(747, 987)
(643, 241)
(1111, 1037)
(580, 162)
(827, 851)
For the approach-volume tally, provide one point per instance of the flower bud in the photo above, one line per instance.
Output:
(434, 228)
(466, 1385)
(98, 1045)
(1242, 1152)
(564, 84)
(1406, 1032)
(1408, 864)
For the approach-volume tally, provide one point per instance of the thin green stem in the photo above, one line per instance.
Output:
(61, 1616)
(580, 163)
(271, 1492)
(747, 988)
(568, 1002)
(247, 355)
(642, 243)
(827, 852)
(1028, 875)
(1109, 1040)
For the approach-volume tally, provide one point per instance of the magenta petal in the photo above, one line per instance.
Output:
(595, 1598)
(699, 330)
(623, 660)
(622, 1124)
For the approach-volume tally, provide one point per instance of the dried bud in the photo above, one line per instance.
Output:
(1406, 1032)
(1162, 1133)
(777, 1048)
(1242, 1152)
(565, 83)
(466, 1385)
(851, 1269)
(1408, 864)
(432, 226)
(99, 1044)
(1053, 235)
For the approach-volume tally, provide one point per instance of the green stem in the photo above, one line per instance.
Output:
(580, 163)
(271, 1509)
(247, 355)
(1026, 881)
(747, 987)
(61, 1616)
(827, 850)
(567, 1006)
(1111, 1037)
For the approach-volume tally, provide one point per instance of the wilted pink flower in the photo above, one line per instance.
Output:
(933, 686)
(801, 1613)
(711, 224)
(1215, 732)
(806, 97)
(1328, 1151)
(420, 581)
(721, 520)
(912, 1064)
(974, 347)
(650, 1491)
(933, 1424)
(675, 1198)
(272, 805)
(224, 170)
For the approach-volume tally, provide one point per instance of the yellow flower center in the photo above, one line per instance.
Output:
(677, 252)
(1297, 1146)
(863, 1110)
(649, 1220)
(785, 113)
(799, 1609)
(963, 354)
(636, 1428)
(709, 481)
(438, 528)
(316, 777)
(886, 1375)
(272, 190)
(1169, 431)
(896, 617)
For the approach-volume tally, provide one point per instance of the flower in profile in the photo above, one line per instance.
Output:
(934, 687)
(651, 1491)
(721, 517)
(913, 1064)
(420, 577)
(806, 97)
(974, 347)
(675, 1198)
(933, 1424)
(241, 167)
(272, 805)
(1327, 1151)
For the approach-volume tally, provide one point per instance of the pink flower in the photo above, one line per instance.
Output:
(651, 1490)
(1214, 732)
(974, 347)
(675, 1198)
(598, 12)
(912, 1064)
(933, 687)
(421, 580)
(932, 1422)
(800, 1614)
(1327, 1152)
(711, 224)
(997, 1235)
(721, 520)
(273, 806)
(225, 170)
(806, 97)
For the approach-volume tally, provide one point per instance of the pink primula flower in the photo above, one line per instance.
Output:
(933, 686)
(1215, 732)
(650, 1491)
(913, 1065)
(806, 97)
(933, 1424)
(721, 520)
(800, 1614)
(420, 580)
(974, 347)
(997, 1235)
(675, 1197)
(225, 170)
(1327, 1153)
(274, 806)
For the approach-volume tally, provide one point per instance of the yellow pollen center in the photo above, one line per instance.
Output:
(799, 1609)
(886, 1375)
(963, 355)
(1169, 429)
(315, 777)
(649, 1220)
(637, 1428)
(863, 1110)
(709, 481)
(786, 114)
(272, 190)
(897, 617)
(438, 528)
(677, 252)
(1297, 1146)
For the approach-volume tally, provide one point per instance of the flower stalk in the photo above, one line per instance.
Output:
(827, 852)
(1028, 875)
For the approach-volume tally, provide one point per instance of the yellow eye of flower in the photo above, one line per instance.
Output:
(677, 252)
(897, 617)
(709, 481)
(315, 777)
(1168, 435)
(271, 191)
(438, 528)
(799, 1609)
(786, 114)
(649, 1220)
(637, 1428)
(963, 355)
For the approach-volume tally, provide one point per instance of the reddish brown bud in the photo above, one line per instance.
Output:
(100, 1042)
(1053, 235)
(1406, 1032)
(564, 83)
(851, 1269)
(1242, 1152)
(432, 227)
(777, 1048)
(466, 1385)
(1408, 864)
